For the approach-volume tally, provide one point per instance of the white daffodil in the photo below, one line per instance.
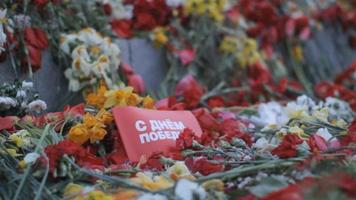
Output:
(7, 102)
(270, 114)
(263, 145)
(94, 58)
(31, 157)
(324, 133)
(338, 108)
(188, 190)
(27, 85)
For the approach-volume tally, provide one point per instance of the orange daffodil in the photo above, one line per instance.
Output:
(93, 128)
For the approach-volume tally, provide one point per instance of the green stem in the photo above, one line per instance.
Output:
(239, 171)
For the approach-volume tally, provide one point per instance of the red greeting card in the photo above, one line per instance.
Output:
(146, 131)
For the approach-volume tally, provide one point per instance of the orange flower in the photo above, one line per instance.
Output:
(78, 134)
(148, 102)
(90, 121)
(97, 98)
(105, 116)
(97, 133)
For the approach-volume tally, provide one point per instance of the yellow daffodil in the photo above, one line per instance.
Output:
(153, 184)
(105, 116)
(248, 53)
(77, 192)
(97, 98)
(17, 140)
(121, 97)
(97, 133)
(180, 170)
(214, 184)
(148, 102)
(159, 37)
(78, 134)
(297, 53)
(228, 45)
(298, 131)
(212, 8)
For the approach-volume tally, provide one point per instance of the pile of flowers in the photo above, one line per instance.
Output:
(267, 133)
(266, 151)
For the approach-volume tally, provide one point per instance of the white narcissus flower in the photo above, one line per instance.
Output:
(188, 190)
(269, 114)
(324, 133)
(37, 106)
(7, 102)
(175, 3)
(31, 157)
(338, 108)
(20, 94)
(262, 144)
(94, 58)
(27, 85)
(2, 33)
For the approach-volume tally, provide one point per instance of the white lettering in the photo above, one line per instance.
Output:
(140, 125)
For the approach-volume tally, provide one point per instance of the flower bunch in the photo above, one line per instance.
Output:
(94, 58)
(19, 98)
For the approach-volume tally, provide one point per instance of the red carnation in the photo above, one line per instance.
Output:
(191, 90)
(203, 166)
(122, 28)
(56, 151)
(36, 37)
(136, 81)
(185, 139)
(288, 147)
(154, 162)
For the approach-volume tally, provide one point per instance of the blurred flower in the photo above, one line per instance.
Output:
(159, 37)
(78, 192)
(288, 147)
(228, 45)
(179, 170)
(190, 89)
(31, 157)
(269, 114)
(152, 183)
(7, 102)
(37, 106)
(186, 56)
(187, 190)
